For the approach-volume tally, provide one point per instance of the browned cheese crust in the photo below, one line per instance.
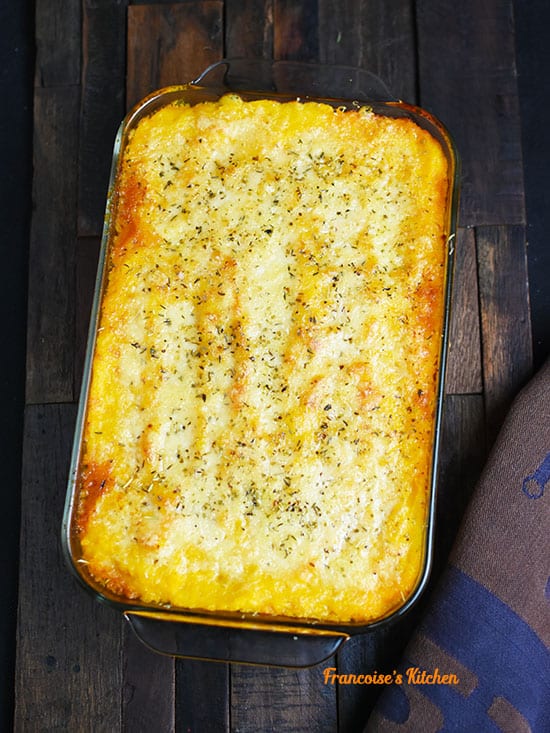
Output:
(260, 421)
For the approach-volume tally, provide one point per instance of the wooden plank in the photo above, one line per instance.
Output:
(505, 324)
(58, 42)
(17, 54)
(295, 30)
(533, 61)
(68, 673)
(202, 702)
(464, 364)
(87, 252)
(373, 653)
(102, 106)
(376, 36)
(468, 79)
(171, 44)
(158, 2)
(149, 688)
(463, 454)
(249, 29)
(50, 331)
(282, 700)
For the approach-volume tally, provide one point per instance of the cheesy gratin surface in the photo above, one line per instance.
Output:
(260, 417)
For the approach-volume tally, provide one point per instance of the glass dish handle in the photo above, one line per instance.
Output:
(324, 81)
(281, 647)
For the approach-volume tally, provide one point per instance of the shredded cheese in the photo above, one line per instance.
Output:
(260, 419)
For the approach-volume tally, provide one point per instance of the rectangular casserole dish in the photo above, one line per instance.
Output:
(255, 460)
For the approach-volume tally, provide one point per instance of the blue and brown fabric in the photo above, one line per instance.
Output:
(488, 623)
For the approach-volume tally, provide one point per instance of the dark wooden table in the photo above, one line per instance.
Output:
(78, 668)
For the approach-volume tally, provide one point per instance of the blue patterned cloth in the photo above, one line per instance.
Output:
(484, 644)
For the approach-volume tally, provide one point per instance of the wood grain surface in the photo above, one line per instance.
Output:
(79, 668)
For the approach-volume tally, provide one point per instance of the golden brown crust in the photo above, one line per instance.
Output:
(261, 411)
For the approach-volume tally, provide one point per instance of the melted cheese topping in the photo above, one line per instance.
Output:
(260, 419)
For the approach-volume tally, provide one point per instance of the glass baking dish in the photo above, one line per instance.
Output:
(231, 636)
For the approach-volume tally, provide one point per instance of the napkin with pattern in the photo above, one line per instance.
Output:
(488, 623)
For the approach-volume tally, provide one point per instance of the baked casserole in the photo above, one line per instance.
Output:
(259, 428)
